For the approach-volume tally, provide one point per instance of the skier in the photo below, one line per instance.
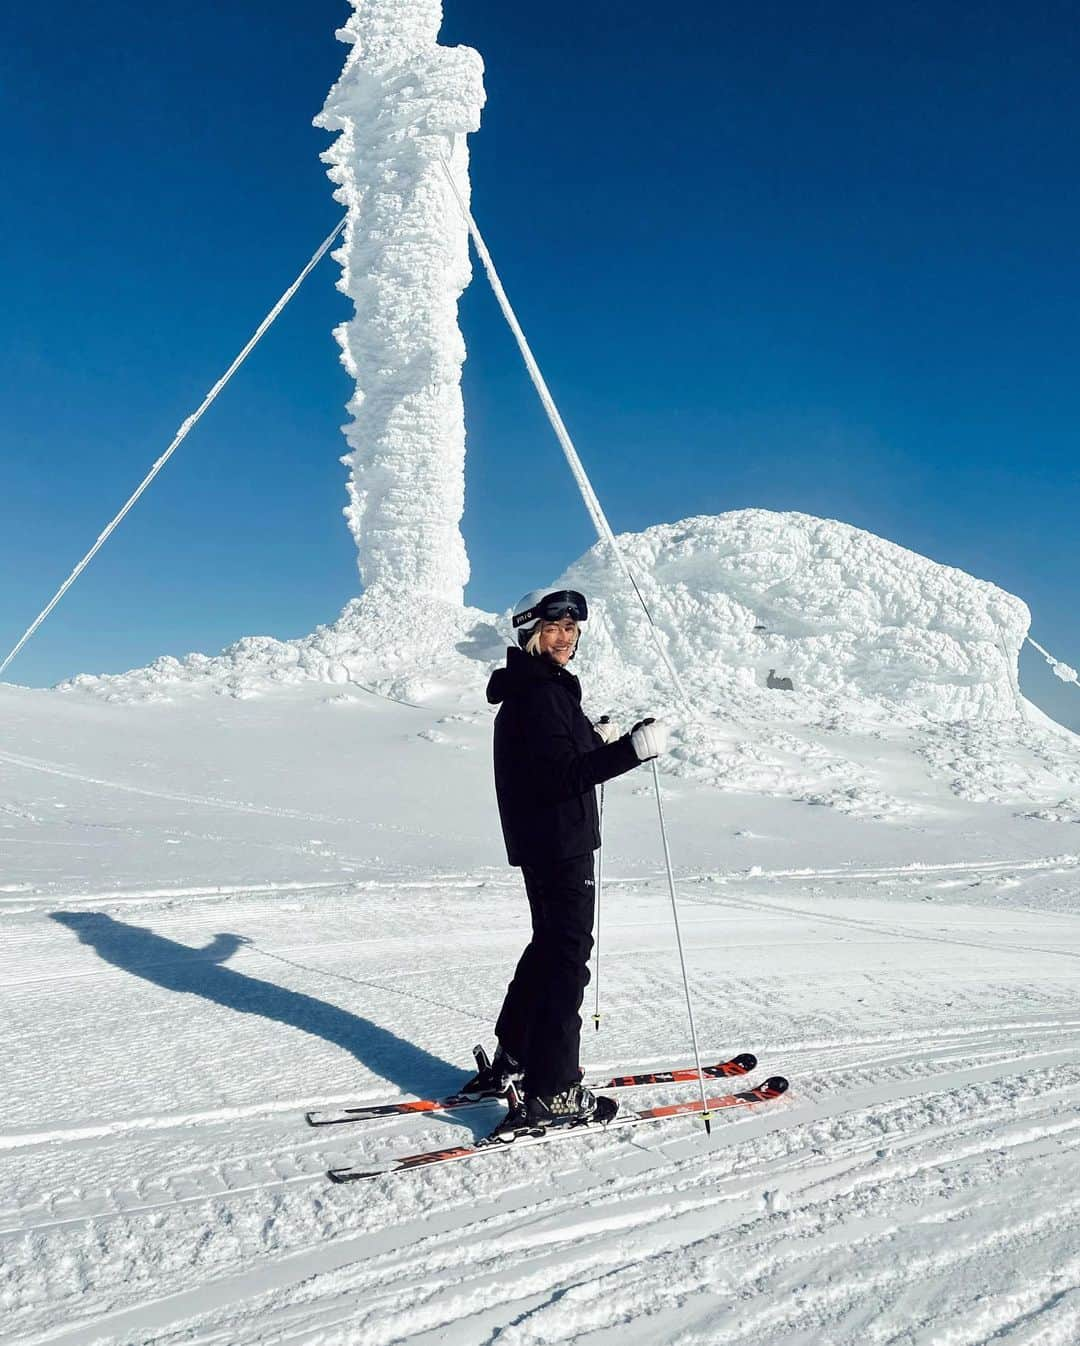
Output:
(548, 761)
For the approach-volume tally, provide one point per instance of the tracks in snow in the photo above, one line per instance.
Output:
(827, 1078)
(206, 801)
(911, 1165)
(797, 1209)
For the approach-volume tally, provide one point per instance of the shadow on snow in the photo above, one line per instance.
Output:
(201, 972)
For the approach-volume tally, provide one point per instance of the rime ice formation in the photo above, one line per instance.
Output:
(882, 646)
(834, 608)
(402, 104)
(903, 670)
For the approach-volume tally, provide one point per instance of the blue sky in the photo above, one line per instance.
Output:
(816, 257)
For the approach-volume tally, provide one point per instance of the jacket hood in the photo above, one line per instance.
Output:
(523, 669)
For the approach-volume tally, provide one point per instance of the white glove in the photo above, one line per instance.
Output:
(608, 731)
(650, 739)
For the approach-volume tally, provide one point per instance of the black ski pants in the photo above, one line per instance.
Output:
(539, 1024)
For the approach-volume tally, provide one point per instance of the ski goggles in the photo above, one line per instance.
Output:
(553, 607)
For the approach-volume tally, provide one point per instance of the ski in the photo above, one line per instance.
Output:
(772, 1088)
(738, 1065)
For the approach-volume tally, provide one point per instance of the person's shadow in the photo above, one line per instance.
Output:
(201, 972)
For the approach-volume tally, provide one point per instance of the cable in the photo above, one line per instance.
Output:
(181, 435)
(1061, 670)
(592, 502)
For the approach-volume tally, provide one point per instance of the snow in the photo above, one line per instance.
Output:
(402, 107)
(903, 669)
(241, 886)
(218, 911)
(838, 610)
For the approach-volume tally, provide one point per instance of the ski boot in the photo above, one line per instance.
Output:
(536, 1115)
(515, 1123)
(574, 1106)
(493, 1077)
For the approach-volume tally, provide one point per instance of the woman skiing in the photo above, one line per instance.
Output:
(548, 761)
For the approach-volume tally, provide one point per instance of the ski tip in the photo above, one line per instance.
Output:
(776, 1085)
(746, 1061)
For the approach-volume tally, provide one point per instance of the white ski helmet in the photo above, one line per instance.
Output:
(546, 605)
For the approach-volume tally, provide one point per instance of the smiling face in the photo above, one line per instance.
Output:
(558, 640)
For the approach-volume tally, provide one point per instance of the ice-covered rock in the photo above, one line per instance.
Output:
(832, 608)
(890, 657)
(403, 104)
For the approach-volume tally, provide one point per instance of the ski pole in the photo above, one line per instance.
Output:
(706, 1115)
(599, 892)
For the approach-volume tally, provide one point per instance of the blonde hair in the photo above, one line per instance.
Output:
(532, 645)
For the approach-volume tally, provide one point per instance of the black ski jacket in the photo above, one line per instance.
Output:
(548, 761)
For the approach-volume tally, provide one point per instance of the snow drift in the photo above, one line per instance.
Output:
(885, 651)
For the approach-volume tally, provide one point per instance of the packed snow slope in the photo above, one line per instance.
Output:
(216, 912)
(236, 888)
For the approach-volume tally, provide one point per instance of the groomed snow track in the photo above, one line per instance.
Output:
(215, 917)
(927, 1168)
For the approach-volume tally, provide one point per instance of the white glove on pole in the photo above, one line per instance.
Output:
(608, 731)
(650, 739)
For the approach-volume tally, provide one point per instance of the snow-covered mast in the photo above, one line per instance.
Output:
(401, 104)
